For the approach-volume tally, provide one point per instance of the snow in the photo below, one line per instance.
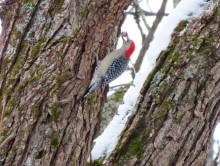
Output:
(216, 141)
(106, 142)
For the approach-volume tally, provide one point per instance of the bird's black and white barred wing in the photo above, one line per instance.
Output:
(117, 67)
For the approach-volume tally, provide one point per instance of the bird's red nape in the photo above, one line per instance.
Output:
(130, 50)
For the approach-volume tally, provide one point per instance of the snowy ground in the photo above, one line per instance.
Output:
(187, 9)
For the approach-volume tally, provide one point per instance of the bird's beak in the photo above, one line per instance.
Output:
(128, 39)
(124, 39)
(124, 35)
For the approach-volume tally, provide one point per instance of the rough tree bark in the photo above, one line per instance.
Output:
(180, 101)
(46, 64)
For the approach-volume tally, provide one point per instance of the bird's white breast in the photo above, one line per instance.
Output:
(107, 61)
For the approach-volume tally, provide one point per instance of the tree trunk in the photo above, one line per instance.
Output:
(180, 101)
(46, 63)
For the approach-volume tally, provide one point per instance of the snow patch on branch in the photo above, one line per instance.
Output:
(186, 10)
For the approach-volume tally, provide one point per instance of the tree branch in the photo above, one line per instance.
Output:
(146, 13)
(150, 36)
(126, 84)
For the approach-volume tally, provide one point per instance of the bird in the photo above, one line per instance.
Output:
(112, 66)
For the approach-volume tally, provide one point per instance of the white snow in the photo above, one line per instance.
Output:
(216, 141)
(187, 9)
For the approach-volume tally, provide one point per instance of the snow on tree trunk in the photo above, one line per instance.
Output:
(46, 63)
(180, 101)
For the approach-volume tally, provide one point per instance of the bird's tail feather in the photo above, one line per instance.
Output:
(87, 92)
(92, 88)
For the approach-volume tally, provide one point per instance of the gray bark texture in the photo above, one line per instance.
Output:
(179, 103)
(46, 64)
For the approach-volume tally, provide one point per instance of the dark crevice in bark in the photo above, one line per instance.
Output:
(53, 44)
(148, 159)
(9, 149)
(148, 141)
(28, 140)
(52, 37)
(215, 113)
(11, 143)
(18, 78)
(7, 40)
(13, 159)
(18, 48)
(194, 144)
(27, 143)
(55, 153)
(180, 150)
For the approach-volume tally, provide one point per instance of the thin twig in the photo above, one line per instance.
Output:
(133, 67)
(126, 84)
(136, 17)
(138, 8)
(90, 159)
(152, 14)
(146, 13)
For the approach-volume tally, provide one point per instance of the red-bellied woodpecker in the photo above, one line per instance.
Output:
(112, 66)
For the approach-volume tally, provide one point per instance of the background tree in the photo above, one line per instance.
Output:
(179, 103)
(46, 63)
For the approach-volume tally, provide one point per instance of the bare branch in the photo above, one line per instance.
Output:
(152, 14)
(120, 85)
(133, 67)
(150, 35)
(138, 9)
(146, 13)
(137, 19)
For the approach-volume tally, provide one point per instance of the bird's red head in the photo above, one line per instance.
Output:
(128, 45)
(130, 50)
